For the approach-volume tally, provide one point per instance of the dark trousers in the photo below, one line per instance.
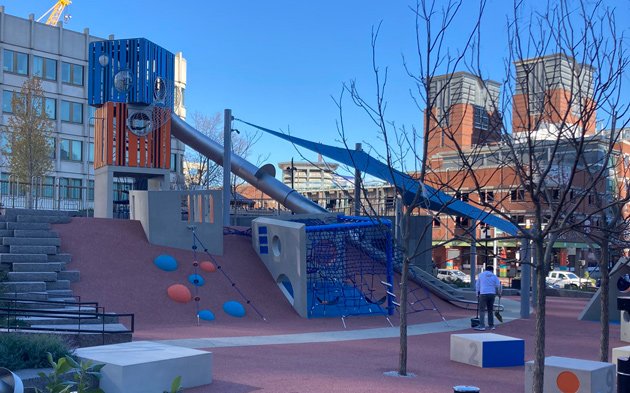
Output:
(486, 304)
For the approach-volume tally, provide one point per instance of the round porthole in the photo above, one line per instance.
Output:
(276, 246)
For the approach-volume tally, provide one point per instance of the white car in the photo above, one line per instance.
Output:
(562, 279)
(452, 275)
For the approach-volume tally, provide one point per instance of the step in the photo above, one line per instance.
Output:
(59, 293)
(37, 212)
(44, 219)
(4, 249)
(49, 250)
(44, 226)
(33, 233)
(96, 328)
(31, 241)
(70, 275)
(63, 257)
(6, 232)
(24, 258)
(32, 276)
(59, 284)
(38, 295)
(21, 287)
(40, 267)
(3, 225)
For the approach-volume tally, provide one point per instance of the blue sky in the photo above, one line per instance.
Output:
(279, 63)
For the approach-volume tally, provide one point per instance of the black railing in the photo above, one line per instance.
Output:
(21, 315)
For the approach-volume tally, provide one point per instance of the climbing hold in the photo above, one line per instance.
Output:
(208, 267)
(179, 293)
(206, 315)
(196, 280)
(166, 263)
(234, 309)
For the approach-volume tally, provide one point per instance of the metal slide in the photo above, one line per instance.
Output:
(262, 178)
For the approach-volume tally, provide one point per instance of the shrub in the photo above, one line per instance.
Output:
(20, 351)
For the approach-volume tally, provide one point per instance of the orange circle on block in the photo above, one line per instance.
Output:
(179, 293)
(208, 266)
(568, 382)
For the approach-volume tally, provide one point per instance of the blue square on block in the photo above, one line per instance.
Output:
(262, 239)
(264, 250)
(262, 230)
(507, 353)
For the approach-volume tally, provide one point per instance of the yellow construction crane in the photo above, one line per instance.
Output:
(55, 12)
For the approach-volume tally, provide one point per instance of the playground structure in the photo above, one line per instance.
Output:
(329, 266)
(131, 84)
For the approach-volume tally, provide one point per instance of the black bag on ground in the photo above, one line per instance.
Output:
(474, 322)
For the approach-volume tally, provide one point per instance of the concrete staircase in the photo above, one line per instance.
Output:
(29, 254)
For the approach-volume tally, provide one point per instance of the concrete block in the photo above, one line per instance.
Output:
(65, 258)
(19, 287)
(54, 294)
(70, 275)
(29, 225)
(620, 352)
(59, 284)
(45, 219)
(487, 350)
(573, 375)
(32, 276)
(33, 233)
(23, 258)
(148, 367)
(39, 267)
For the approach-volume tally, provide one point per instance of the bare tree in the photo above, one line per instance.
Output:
(200, 171)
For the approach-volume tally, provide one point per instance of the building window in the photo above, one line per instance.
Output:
(45, 68)
(53, 147)
(481, 118)
(462, 196)
(555, 194)
(72, 74)
(49, 105)
(71, 150)
(5, 147)
(91, 152)
(436, 222)
(15, 62)
(517, 195)
(69, 188)
(174, 162)
(91, 115)
(48, 187)
(461, 222)
(518, 219)
(90, 190)
(7, 99)
(71, 112)
(486, 196)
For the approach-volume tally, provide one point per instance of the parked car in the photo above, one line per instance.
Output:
(452, 275)
(595, 274)
(562, 279)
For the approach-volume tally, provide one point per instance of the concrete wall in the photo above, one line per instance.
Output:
(168, 216)
(281, 245)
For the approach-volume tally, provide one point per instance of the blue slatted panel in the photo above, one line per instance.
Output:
(140, 58)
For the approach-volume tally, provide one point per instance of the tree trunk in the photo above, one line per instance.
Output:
(539, 362)
(402, 361)
(604, 317)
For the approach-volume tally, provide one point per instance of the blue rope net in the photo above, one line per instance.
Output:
(349, 266)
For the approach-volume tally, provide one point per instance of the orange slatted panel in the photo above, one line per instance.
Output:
(132, 146)
(109, 133)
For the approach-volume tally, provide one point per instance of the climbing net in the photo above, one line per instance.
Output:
(349, 267)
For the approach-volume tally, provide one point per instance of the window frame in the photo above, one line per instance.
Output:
(71, 111)
(71, 74)
(14, 62)
(71, 149)
(45, 63)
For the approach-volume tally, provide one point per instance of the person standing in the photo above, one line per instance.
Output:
(488, 287)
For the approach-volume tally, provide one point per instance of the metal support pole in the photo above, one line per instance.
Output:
(357, 186)
(227, 164)
(473, 255)
(525, 278)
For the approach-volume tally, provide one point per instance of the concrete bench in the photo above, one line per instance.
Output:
(573, 376)
(148, 367)
(620, 352)
(487, 350)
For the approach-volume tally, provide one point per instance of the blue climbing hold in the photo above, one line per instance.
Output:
(206, 315)
(166, 263)
(196, 280)
(234, 309)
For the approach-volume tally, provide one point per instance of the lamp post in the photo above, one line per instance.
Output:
(292, 169)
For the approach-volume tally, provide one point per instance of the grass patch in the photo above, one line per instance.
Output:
(19, 351)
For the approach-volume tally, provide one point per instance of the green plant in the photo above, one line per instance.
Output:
(19, 351)
(176, 385)
(81, 373)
